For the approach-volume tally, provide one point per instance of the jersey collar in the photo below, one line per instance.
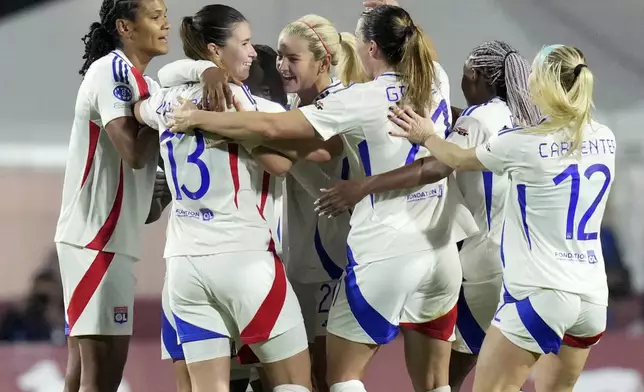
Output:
(334, 84)
(388, 75)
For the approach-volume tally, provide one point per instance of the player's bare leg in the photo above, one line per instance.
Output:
(259, 381)
(294, 370)
(181, 375)
(502, 366)
(347, 360)
(212, 375)
(73, 370)
(102, 362)
(460, 365)
(318, 359)
(427, 360)
(559, 373)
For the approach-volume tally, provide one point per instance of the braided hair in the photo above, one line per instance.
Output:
(103, 36)
(508, 71)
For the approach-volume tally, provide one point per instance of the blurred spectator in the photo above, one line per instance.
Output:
(40, 317)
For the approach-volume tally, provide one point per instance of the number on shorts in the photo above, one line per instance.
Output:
(572, 171)
(327, 297)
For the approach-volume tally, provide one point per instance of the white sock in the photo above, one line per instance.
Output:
(348, 386)
(290, 388)
(445, 388)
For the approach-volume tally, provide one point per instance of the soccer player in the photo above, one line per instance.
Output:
(310, 50)
(224, 279)
(403, 263)
(554, 284)
(495, 85)
(109, 180)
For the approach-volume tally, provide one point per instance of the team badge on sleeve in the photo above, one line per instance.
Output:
(461, 131)
(124, 93)
(120, 314)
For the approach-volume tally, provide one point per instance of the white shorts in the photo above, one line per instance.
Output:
(98, 289)
(315, 301)
(170, 345)
(243, 296)
(541, 321)
(418, 291)
(477, 304)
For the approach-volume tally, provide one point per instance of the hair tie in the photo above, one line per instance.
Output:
(409, 29)
(508, 55)
(340, 37)
(578, 69)
(318, 35)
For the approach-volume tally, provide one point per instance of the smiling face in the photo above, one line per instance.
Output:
(296, 64)
(238, 53)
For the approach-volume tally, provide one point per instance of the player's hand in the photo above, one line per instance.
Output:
(217, 95)
(181, 118)
(161, 189)
(343, 196)
(416, 128)
(375, 3)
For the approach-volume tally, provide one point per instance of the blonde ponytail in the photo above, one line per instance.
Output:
(349, 69)
(562, 88)
(416, 69)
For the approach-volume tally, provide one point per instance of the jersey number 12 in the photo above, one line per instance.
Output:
(572, 171)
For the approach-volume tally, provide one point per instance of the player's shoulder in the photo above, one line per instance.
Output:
(153, 85)
(466, 125)
(110, 66)
(440, 72)
(441, 82)
(484, 111)
(596, 129)
(350, 94)
(243, 94)
(265, 105)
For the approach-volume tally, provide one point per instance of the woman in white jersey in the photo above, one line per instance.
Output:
(554, 283)
(310, 50)
(224, 279)
(495, 85)
(109, 179)
(403, 264)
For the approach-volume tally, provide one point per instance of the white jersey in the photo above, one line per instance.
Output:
(317, 247)
(105, 202)
(214, 190)
(555, 207)
(400, 222)
(271, 197)
(484, 192)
